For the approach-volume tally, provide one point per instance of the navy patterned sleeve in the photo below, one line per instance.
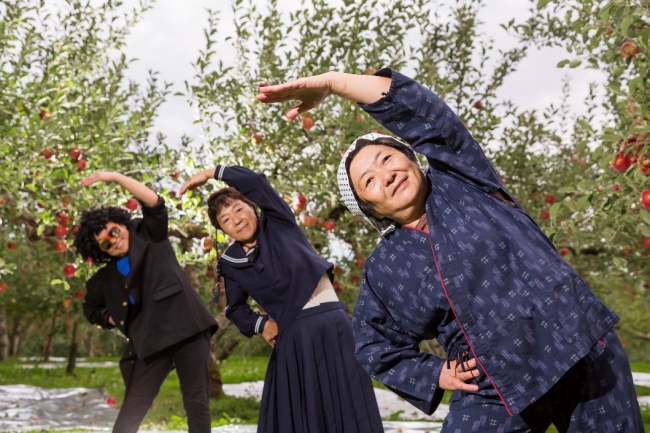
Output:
(256, 187)
(392, 356)
(418, 116)
(239, 312)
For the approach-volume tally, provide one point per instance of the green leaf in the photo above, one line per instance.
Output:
(563, 63)
(542, 3)
(555, 209)
(618, 262)
(575, 63)
(55, 281)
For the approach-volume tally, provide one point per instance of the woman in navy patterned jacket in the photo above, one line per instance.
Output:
(528, 343)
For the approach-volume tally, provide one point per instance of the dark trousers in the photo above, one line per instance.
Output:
(595, 395)
(143, 380)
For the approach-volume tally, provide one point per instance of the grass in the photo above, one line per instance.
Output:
(167, 411)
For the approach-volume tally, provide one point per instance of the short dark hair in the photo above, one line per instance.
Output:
(92, 222)
(366, 208)
(222, 198)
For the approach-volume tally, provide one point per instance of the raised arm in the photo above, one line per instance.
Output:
(140, 191)
(254, 186)
(406, 108)
(155, 218)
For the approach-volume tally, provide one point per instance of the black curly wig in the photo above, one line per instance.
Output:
(92, 222)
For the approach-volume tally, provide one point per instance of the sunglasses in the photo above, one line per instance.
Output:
(105, 244)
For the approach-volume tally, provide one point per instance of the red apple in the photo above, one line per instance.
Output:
(545, 214)
(369, 70)
(12, 245)
(74, 230)
(44, 114)
(550, 198)
(69, 269)
(337, 286)
(172, 194)
(616, 187)
(131, 204)
(646, 241)
(62, 218)
(359, 118)
(47, 154)
(3, 287)
(337, 270)
(60, 246)
(645, 199)
(257, 138)
(210, 271)
(302, 200)
(355, 279)
(478, 105)
(307, 123)
(620, 163)
(174, 175)
(74, 153)
(79, 294)
(82, 164)
(307, 220)
(564, 251)
(328, 225)
(88, 261)
(629, 49)
(67, 303)
(60, 231)
(359, 261)
(206, 243)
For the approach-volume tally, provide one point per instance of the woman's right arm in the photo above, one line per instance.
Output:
(240, 313)
(392, 356)
(94, 308)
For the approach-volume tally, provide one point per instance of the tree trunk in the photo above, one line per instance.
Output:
(224, 352)
(91, 343)
(216, 384)
(15, 337)
(72, 356)
(4, 337)
(47, 349)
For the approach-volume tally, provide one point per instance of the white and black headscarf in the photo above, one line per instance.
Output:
(384, 225)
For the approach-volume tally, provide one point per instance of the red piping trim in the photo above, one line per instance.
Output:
(602, 342)
(463, 331)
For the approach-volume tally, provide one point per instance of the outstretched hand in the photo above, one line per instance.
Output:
(310, 91)
(196, 181)
(456, 376)
(98, 176)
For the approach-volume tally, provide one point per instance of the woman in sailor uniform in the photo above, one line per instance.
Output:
(313, 384)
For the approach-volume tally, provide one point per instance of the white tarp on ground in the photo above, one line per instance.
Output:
(25, 407)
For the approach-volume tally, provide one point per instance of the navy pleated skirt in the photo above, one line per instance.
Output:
(313, 383)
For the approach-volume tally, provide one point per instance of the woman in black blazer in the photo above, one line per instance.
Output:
(143, 291)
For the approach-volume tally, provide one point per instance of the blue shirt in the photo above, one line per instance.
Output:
(525, 314)
(124, 268)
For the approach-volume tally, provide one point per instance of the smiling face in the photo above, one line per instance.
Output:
(390, 182)
(116, 246)
(238, 220)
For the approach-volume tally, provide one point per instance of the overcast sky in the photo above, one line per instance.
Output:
(171, 34)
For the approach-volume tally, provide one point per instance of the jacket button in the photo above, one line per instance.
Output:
(121, 322)
(124, 304)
